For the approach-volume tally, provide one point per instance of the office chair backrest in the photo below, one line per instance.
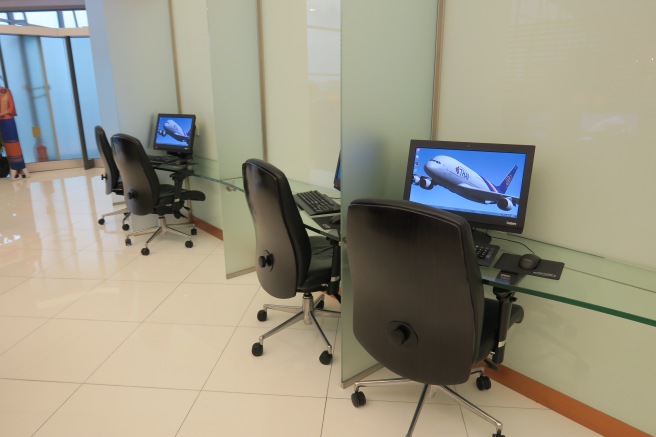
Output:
(282, 244)
(418, 295)
(140, 182)
(106, 154)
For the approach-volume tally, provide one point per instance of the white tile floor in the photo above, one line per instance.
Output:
(97, 340)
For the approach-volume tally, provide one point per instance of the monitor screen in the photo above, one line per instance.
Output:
(174, 133)
(487, 184)
(337, 182)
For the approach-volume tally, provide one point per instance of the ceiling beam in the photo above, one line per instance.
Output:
(40, 5)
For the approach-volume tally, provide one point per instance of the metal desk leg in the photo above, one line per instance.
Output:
(505, 298)
(335, 275)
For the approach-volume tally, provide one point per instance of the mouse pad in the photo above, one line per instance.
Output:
(546, 269)
(324, 222)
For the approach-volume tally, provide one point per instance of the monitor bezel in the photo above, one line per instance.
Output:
(337, 180)
(175, 150)
(481, 221)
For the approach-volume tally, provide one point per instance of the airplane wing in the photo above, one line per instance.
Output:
(486, 195)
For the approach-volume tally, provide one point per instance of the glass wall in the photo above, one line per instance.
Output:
(56, 19)
(23, 65)
(86, 90)
(40, 77)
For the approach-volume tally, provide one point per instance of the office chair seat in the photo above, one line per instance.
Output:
(289, 261)
(146, 195)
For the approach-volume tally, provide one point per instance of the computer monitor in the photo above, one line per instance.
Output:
(487, 184)
(337, 181)
(174, 134)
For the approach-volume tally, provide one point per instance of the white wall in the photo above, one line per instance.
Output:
(578, 80)
(133, 64)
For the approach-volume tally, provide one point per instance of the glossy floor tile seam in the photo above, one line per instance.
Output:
(59, 407)
(127, 338)
(216, 363)
(45, 320)
(54, 315)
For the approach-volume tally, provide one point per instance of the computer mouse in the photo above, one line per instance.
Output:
(336, 219)
(529, 261)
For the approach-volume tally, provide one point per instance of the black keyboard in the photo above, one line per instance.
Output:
(485, 254)
(161, 159)
(314, 203)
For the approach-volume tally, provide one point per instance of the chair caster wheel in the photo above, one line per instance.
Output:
(194, 231)
(101, 221)
(257, 349)
(128, 242)
(189, 243)
(358, 399)
(483, 382)
(145, 251)
(261, 316)
(325, 357)
(126, 227)
(498, 434)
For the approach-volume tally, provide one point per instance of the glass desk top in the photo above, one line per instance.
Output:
(207, 169)
(588, 281)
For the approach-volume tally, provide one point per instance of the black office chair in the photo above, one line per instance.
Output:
(145, 195)
(113, 183)
(289, 261)
(418, 304)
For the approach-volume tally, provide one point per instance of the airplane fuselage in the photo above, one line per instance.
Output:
(460, 179)
(172, 128)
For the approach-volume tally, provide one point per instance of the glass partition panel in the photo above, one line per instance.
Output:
(86, 90)
(388, 67)
(301, 64)
(58, 97)
(233, 28)
(27, 81)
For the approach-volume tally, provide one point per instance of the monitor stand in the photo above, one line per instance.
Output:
(181, 158)
(481, 238)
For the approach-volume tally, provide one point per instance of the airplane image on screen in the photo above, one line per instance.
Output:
(465, 182)
(172, 128)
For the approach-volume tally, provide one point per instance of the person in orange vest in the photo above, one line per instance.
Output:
(9, 135)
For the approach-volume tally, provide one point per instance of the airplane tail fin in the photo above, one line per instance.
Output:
(503, 186)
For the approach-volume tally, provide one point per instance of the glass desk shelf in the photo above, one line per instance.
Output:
(588, 281)
(207, 169)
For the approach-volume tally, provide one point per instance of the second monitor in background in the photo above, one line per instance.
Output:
(174, 134)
